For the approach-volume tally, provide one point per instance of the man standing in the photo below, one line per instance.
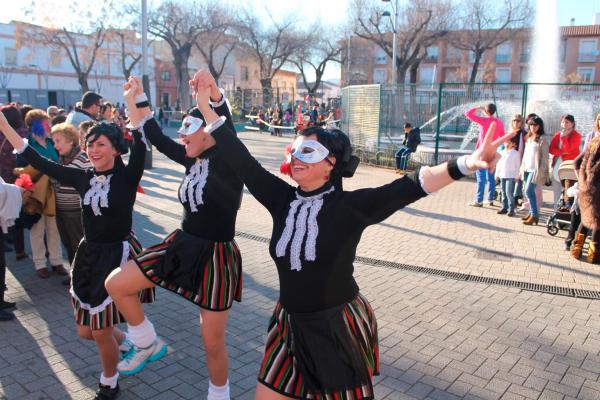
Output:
(90, 108)
(484, 175)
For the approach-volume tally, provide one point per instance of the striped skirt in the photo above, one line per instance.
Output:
(207, 273)
(95, 308)
(280, 369)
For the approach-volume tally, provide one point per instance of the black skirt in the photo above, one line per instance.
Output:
(92, 264)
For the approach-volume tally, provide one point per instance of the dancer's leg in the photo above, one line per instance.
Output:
(108, 350)
(212, 329)
(124, 285)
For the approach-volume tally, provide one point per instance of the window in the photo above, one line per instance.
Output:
(453, 55)
(10, 56)
(426, 75)
(432, 54)
(525, 52)
(502, 75)
(586, 73)
(244, 73)
(524, 74)
(471, 56)
(165, 76)
(380, 57)
(587, 50)
(166, 100)
(379, 75)
(503, 53)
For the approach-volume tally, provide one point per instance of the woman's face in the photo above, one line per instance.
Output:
(566, 124)
(101, 153)
(517, 123)
(62, 145)
(534, 128)
(108, 113)
(311, 175)
(196, 143)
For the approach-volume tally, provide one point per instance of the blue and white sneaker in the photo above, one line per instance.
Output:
(125, 346)
(136, 358)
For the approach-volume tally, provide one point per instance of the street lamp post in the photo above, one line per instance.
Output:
(145, 80)
(394, 22)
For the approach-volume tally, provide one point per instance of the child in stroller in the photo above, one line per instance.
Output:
(561, 218)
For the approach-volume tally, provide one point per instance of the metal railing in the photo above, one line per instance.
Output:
(373, 115)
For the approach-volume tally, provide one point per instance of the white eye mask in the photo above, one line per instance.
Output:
(308, 151)
(190, 125)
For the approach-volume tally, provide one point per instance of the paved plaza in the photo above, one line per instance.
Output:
(440, 338)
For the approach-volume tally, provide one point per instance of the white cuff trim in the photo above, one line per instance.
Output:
(22, 149)
(213, 126)
(141, 98)
(461, 163)
(140, 128)
(220, 102)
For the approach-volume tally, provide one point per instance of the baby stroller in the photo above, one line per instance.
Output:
(561, 218)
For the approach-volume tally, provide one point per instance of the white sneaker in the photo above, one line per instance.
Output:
(136, 359)
(125, 346)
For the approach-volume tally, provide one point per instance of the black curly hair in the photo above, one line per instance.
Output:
(338, 144)
(111, 131)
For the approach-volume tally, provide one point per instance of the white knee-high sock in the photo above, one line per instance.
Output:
(218, 392)
(142, 335)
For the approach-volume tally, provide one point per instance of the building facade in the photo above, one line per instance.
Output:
(508, 62)
(37, 74)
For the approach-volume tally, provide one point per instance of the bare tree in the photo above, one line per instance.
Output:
(485, 26)
(5, 75)
(80, 48)
(180, 24)
(129, 58)
(271, 46)
(217, 43)
(423, 23)
(314, 59)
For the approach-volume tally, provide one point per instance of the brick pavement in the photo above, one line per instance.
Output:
(440, 338)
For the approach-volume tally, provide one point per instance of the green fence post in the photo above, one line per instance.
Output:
(438, 123)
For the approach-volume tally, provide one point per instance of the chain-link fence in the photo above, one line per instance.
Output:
(373, 115)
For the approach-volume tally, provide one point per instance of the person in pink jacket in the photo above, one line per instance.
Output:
(483, 175)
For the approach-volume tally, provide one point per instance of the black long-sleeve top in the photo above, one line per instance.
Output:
(328, 280)
(114, 223)
(214, 219)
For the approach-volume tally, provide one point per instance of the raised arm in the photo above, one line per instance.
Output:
(268, 189)
(142, 118)
(69, 176)
(472, 115)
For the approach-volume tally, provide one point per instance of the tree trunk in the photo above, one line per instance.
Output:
(474, 71)
(180, 60)
(82, 79)
(413, 89)
(267, 91)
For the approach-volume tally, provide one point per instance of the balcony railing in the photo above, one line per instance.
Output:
(431, 59)
(587, 57)
(502, 58)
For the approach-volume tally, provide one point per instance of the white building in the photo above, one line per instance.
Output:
(40, 75)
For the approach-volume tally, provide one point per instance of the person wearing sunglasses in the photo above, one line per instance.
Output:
(201, 261)
(322, 337)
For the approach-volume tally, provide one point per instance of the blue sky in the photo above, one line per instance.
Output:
(329, 11)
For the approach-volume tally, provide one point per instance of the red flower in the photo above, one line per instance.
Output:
(24, 181)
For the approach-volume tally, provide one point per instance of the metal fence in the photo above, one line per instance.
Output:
(247, 100)
(373, 115)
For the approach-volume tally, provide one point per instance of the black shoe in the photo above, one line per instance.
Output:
(503, 211)
(7, 305)
(6, 316)
(511, 213)
(106, 393)
(567, 246)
